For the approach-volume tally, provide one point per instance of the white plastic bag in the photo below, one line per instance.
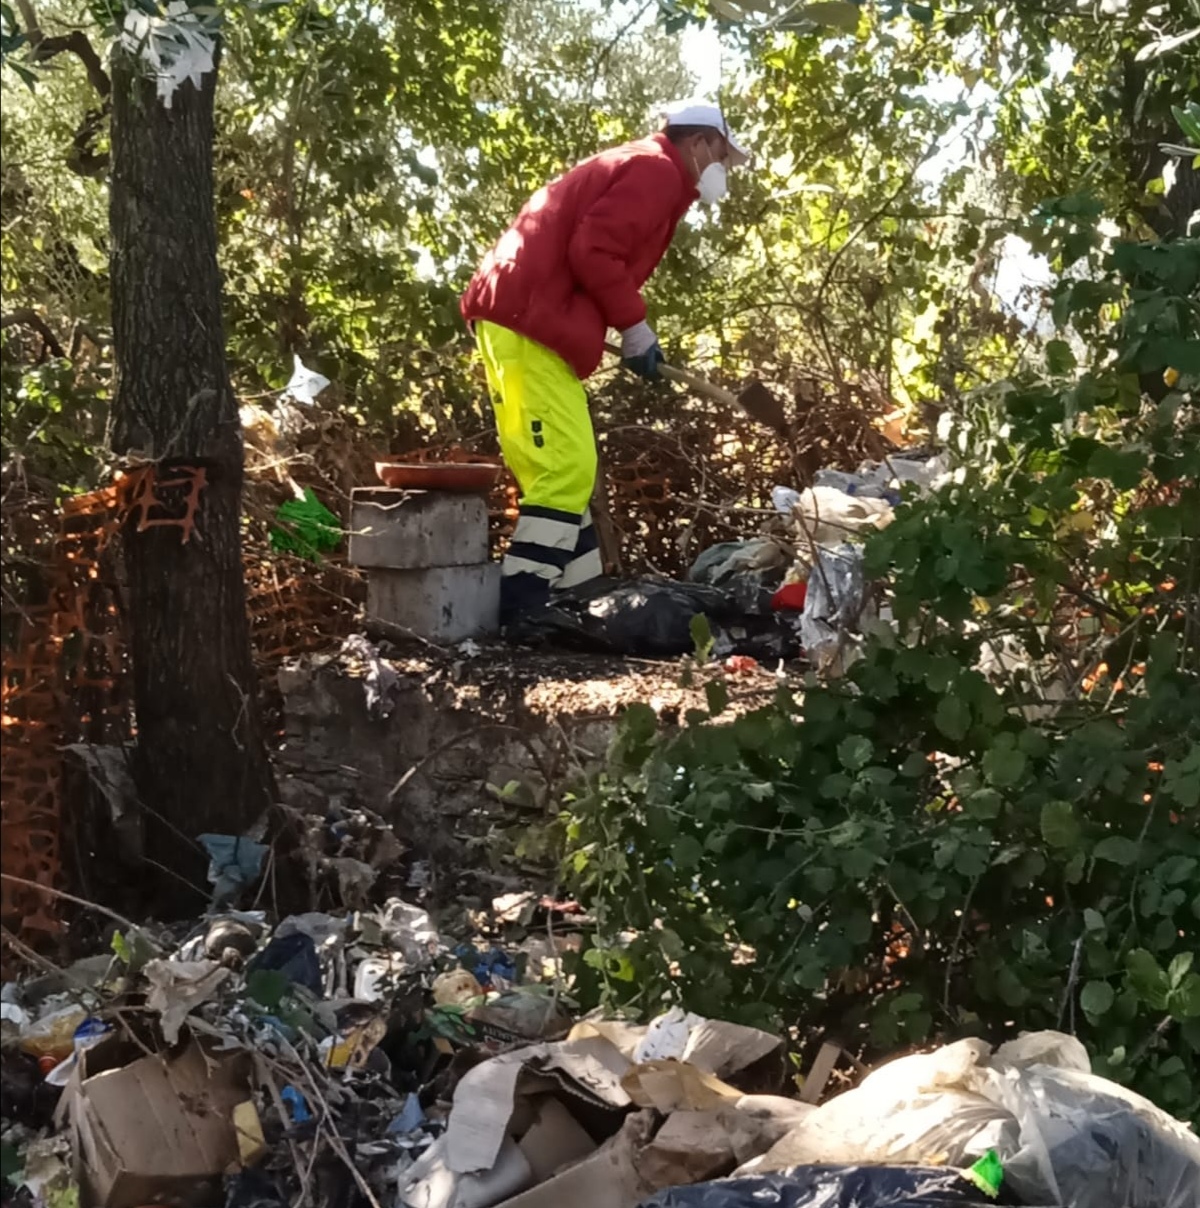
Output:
(1065, 1135)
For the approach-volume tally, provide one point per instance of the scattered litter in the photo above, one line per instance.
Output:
(306, 528)
(456, 987)
(235, 863)
(833, 1187)
(383, 1056)
(381, 683)
(655, 618)
(1062, 1134)
(298, 1111)
(305, 384)
(833, 608)
(409, 929)
(178, 987)
(122, 1105)
(294, 958)
(52, 1034)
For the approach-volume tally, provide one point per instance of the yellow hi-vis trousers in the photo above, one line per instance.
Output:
(546, 437)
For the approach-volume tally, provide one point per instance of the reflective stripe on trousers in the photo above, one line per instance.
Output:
(546, 437)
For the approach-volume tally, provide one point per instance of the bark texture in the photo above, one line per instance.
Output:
(201, 763)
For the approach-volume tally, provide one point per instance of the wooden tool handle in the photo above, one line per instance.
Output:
(698, 384)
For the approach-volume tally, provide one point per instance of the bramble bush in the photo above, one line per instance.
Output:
(924, 850)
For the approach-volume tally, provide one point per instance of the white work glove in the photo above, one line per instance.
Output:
(640, 352)
(637, 341)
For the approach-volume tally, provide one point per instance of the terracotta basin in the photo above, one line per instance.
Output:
(459, 478)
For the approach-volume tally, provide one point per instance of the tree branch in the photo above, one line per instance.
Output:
(30, 318)
(43, 48)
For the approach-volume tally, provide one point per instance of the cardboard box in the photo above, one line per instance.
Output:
(609, 1178)
(555, 1139)
(147, 1129)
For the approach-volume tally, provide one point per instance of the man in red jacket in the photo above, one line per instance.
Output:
(571, 267)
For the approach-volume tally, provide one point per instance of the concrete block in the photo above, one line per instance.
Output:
(444, 604)
(409, 530)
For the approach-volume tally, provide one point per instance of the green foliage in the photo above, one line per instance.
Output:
(995, 823)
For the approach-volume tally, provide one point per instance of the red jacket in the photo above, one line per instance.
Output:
(573, 263)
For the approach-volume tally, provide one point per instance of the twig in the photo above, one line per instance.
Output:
(70, 897)
(952, 959)
(28, 317)
(76, 42)
(1068, 1002)
(44, 963)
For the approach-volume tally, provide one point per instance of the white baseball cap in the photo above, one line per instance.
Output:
(701, 113)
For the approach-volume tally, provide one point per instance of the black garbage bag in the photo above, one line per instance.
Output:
(834, 1187)
(295, 956)
(652, 618)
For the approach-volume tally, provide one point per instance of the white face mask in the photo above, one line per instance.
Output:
(712, 185)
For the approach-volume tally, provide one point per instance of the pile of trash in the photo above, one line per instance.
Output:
(246, 1064)
(362, 1058)
(796, 588)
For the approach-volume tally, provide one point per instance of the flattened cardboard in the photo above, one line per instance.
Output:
(486, 1097)
(155, 1128)
(725, 1049)
(607, 1179)
(691, 1147)
(553, 1140)
(671, 1086)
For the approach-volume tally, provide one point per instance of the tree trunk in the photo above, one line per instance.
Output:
(201, 763)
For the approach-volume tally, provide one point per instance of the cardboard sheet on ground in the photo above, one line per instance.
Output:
(484, 1101)
(153, 1128)
(671, 1086)
(712, 1045)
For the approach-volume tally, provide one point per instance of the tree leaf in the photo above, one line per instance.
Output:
(702, 637)
(1178, 968)
(1060, 359)
(855, 752)
(1060, 827)
(686, 853)
(1004, 765)
(1116, 849)
(983, 803)
(1096, 998)
(716, 695)
(953, 717)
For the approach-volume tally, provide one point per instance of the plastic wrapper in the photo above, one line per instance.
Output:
(53, 1035)
(833, 1187)
(827, 515)
(747, 571)
(856, 484)
(833, 605)
(1086, 1142)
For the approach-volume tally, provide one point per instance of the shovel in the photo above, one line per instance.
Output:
(755, 400)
